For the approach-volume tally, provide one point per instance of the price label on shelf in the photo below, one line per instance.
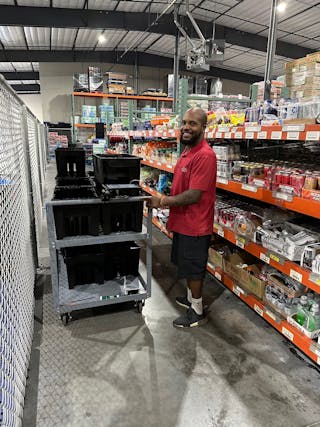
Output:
(258, 310)
(217, 275)
(294, 128)
(169, 166)
(250, 188)
(264, 258)
(218, 135)
(318, 360)
(315, 349)
(253, 128)
(271, 315)
(293, 135)
(287, 333)
(217, 226)
(158, 163)
(227, 135)
(262, 135)
(221, 233)
(313, 136)
(164, 134)
(240, 244)
(222, 180)
(283, 196)
(295, 275)
(249, 135)
(210, 135)
(238, 135)
(274, 258)
(276, 135)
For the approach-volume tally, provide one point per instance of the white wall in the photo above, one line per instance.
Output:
(34, 103)
(56, 81)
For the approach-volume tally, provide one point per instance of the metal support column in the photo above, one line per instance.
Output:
(272, 41)
(176, 73)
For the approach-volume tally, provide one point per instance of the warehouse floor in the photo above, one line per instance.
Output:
(113, 367)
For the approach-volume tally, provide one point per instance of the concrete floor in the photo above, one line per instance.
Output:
(113, 367)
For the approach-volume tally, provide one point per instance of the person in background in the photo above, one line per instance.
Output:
(191, 216)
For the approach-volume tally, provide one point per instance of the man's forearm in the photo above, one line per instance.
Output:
(189, 197)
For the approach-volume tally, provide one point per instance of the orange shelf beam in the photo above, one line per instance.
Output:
(158, 165)
(113, 95)
(289, 268)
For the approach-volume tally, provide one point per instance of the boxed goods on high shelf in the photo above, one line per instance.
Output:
(95, 80)
(81, 82)
(117, 83)
(106, 113)
(275, 93)
(303, 77)
(89, 114)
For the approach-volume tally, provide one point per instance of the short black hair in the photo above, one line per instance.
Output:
(202, 114)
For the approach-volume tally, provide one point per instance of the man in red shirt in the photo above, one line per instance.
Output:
(191, 215)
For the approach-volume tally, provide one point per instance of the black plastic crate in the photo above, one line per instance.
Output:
(70, 162)
(113, 191)
(121, 259)
(68, 181)
(116, 168)
(68, 193)
(122, 216)
(76, 220)
(85, 265)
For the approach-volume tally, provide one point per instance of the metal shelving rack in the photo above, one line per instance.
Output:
(93, 295)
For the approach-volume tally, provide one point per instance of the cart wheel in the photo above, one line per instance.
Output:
(140, 305)
(65, 318)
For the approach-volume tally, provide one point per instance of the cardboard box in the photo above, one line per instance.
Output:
(250, 280)
(214, 257)
(231, 266)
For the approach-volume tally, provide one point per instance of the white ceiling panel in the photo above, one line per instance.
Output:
(312, 44)
(42, 3)
(112, 39)
(131, 6)
(12, 37)
(214, 6)
(87, 38)
(101, 4)
(62, 38)
(292, 38)
(30, 82)
(70, 4)
(35, 66)
(7, 2)
(6, 66)
(311, 31)
(137, 40)
(22, 66)
(229, 21)
(37, 37)
(301, 21)
(250, 27)
(165, 44)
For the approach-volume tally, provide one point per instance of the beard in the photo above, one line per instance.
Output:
(192, 141)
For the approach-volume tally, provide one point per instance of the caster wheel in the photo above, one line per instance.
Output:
(140, 305)
(65, 318)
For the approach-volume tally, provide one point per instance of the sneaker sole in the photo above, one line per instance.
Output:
(193, 325)
(183, 305)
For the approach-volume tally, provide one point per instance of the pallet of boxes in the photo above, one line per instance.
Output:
(93, 225)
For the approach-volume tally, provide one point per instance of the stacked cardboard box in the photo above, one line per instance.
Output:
(303, 77)
(116, 83)
(275, 92)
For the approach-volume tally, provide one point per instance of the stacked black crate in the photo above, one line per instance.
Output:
(117, 180)
(84, 264)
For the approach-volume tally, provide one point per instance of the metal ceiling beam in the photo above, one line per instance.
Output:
(144, 59)
(26, 88)
(20, 75)
(136, 21)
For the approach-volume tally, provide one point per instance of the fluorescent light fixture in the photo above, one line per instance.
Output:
(281, 7)
(101, 38)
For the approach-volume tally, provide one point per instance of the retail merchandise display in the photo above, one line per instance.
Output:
(275, 92)
(89, 114)
(56, 141)
(116, 83)
(95, 79)
(158, 151)
(106, 113)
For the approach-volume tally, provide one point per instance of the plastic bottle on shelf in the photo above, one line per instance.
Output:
(313, 319)
(302, 310)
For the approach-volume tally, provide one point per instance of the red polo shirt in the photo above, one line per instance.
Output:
(196, 169)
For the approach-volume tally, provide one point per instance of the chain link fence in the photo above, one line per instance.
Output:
(23, 161)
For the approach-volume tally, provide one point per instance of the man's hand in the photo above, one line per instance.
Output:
(154, 202)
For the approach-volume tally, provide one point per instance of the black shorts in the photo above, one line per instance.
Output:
(190, 255)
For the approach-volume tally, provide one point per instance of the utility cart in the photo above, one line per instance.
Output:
(110, 270)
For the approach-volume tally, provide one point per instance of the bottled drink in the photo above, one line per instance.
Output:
(313, 319)
(302, 310)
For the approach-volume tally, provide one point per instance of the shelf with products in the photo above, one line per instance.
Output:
(114, 95)
(302, 341)
(296, 204)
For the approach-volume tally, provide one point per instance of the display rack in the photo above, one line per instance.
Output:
(91, 295)
(292, 269)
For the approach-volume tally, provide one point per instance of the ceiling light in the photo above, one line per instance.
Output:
(101, 38)
(281, 7)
